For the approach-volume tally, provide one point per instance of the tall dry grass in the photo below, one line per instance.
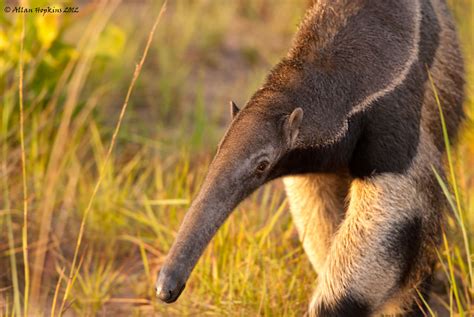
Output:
(23, 174)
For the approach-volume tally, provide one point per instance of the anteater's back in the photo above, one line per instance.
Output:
(351, 57)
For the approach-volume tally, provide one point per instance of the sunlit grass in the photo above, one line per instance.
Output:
(455, 261)
(107, 157)
(24, 231)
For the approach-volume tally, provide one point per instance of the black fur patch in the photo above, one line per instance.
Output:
(330, 158)
(403, 246)
(348, 306)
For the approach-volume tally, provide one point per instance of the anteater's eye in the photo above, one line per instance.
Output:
(262, 166)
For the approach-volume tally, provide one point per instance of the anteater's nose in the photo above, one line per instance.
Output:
(168, 288)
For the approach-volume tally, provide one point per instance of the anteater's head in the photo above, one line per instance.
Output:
(246, 157)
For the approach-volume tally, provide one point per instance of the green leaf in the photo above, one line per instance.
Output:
(47, 28)
(111, 42)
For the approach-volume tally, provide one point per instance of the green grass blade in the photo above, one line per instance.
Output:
(454, 182)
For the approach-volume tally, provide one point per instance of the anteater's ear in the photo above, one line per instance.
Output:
(233, 109)
(292, 126)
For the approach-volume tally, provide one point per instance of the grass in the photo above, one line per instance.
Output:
(104, 201)
(24, 231)
(107, 158)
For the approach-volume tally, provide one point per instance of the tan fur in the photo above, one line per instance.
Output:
(317, 207)
(355, 261)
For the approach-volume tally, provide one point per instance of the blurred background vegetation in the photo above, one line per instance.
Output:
(77, 68)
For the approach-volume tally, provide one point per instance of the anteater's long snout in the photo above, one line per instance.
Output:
(169, 286)
(205, 216)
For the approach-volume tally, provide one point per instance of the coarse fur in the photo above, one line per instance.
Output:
(349, 119)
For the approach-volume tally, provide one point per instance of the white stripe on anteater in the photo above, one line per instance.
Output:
(397, 80)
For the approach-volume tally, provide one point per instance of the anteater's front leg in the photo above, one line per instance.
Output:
(317, 206)
(382, 250)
